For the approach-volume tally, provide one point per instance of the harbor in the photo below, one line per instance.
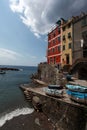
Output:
(64, 113)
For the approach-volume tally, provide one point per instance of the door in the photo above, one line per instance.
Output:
(67, 59)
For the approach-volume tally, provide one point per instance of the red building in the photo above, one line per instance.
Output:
(54, 46)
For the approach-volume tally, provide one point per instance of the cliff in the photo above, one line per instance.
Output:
(49, 74)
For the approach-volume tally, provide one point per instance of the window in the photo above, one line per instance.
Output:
(63, 28)
(53, 41)
(59, 48)
(49, 43)
(48, 52)
(54, 60)
(52, 49)
(54, 34)
(64, 37)
(69, 35)
(69, 25)
(59, 30)
(63, 47)
(51, 59)
(69, 46)
(59, 39)
(84, 22)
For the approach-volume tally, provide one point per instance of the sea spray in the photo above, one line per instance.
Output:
(15, 113)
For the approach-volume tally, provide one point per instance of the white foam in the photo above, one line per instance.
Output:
(15, 113)
(21, 69)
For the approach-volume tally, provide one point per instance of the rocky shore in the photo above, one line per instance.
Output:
(34, 121)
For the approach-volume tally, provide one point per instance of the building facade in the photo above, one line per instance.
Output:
(80, 37)
(66, 41)
(54, 47)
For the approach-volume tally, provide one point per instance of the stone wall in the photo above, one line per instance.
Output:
(63, 115)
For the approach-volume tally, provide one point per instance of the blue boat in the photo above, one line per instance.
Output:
(54, 92)
(77, 96)
(76, 88)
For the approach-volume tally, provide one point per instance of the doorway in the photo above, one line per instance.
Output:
(67, 59)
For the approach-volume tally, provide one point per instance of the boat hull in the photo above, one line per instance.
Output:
(77, 88)
(54, 92)
(78, 97)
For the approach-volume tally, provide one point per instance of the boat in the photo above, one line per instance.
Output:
(77, 96)
(77, 88)
(54, 92)
(2, 72)
(55, 87)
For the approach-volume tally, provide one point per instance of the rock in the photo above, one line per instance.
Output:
(37, 103)
(37, 121)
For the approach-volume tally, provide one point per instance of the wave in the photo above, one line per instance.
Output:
(21, 69)
(15, 113)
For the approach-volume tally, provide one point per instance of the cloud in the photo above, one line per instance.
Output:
(10, 57)
(6, 54)
(40, 15)
(31, 57)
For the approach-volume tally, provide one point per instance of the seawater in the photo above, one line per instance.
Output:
(12, 101)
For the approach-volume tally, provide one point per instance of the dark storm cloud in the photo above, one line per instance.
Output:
(40, 15)
(65, 9)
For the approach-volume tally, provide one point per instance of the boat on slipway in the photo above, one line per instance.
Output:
(77, 96)
(76, 88)
(54, 92)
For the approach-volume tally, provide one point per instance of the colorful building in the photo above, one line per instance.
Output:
(66, 41)
(54, 46)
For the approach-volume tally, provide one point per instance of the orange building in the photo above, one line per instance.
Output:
(54, 46)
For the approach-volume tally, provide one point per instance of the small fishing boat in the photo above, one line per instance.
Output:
(54, 92)
(76, 88)
(78, 96)
(55, 87)
(2, 72)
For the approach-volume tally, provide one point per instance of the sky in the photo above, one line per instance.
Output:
(24, 25)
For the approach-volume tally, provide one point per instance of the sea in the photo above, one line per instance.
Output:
(12, 100)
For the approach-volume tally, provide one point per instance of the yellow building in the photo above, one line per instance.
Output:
(66, 39)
